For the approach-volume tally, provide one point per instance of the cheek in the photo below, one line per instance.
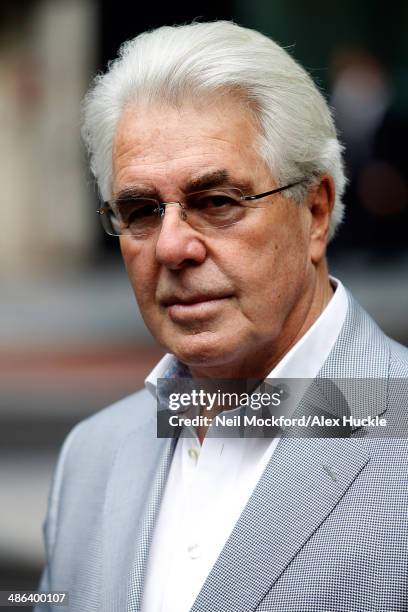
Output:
(272, 268)
(139, 264)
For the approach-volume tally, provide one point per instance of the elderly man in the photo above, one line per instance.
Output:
(221, 173)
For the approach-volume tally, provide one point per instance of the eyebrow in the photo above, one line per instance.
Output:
(209, 180)
(218, 178)
(137, 191)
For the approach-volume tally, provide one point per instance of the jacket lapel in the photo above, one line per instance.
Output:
(297, 491)
(133, 495)
(145, 530)
(302, 483)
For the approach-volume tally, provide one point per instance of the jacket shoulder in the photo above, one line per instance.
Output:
(104, 431)
(91, 446)
(126, 414)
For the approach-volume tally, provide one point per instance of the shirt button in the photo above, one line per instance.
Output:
(193, 454)
(193, 551)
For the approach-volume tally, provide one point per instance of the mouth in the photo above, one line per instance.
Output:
(194, 307)
(193, 299)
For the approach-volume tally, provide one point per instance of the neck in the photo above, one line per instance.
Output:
(319, 299)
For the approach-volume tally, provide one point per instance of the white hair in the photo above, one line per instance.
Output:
(297, 136)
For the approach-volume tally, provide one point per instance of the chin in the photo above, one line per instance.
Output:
(205, 349)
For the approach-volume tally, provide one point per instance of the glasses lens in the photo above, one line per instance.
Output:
(215, 208)
(137, 217)
(109, 221)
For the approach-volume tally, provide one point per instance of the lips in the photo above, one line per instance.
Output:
(193, 299)
(192, 308)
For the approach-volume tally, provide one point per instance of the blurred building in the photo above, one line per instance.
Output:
(47, 55)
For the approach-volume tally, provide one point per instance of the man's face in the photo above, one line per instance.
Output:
(227, 301)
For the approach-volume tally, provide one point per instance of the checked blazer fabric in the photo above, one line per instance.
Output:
(325, 530)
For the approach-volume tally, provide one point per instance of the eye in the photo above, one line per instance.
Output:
(215, 207)
(214, 200)
(136, 211)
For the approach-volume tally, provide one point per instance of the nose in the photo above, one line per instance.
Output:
(178, 244)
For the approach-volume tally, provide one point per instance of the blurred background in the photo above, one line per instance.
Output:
(71, 337)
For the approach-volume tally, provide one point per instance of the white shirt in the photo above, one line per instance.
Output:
(209, 485)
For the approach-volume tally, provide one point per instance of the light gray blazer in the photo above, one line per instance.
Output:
(326, 528)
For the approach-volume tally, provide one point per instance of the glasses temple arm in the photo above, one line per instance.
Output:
(266, 193)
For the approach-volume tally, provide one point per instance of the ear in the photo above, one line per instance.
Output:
(320, 202)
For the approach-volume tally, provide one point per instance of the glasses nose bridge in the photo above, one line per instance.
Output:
(183, 209)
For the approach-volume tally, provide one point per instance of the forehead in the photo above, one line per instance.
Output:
(165, 143)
